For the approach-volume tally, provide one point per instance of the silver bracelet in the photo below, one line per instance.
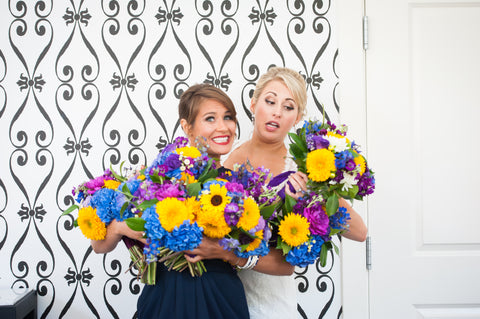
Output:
(251, 262)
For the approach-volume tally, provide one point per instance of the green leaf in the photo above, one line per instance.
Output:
(337, 251)
(135, 223)
(193, 189)
(332, 204)
(299, 142)
(147, 204)
(118, 177)
(75, 223)
(289, 202)
(156, 179)
(283, 246)
(297, 152)
(70, 209)
(323, 255)
(207, 174)
(267, 211)
(124, 207)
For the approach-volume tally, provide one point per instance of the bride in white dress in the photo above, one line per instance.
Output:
(278, 103)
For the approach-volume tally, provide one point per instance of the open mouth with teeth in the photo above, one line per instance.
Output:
(273, 124)
(221, 139)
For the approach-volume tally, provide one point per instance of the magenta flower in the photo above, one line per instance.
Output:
(318, 219)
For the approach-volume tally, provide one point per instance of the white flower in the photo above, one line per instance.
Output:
(337, 144)
(348, 181)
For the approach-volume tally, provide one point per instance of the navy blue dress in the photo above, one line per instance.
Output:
(217, 294)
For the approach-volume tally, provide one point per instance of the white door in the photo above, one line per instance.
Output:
(423, 133)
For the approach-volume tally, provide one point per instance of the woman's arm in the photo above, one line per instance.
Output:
(272, 264)
(357, 230)
(115, 231)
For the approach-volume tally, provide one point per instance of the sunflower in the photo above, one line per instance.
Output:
(193, 206)
(360, 161)
(250, 215)
(294, 229)
(216, 199)
(90, 224)
(172, 212)
(213, 222)
(256, 242)
(320, 164)
(188, 151)
(111, 184)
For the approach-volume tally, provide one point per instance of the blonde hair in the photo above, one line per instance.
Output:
(292, 80)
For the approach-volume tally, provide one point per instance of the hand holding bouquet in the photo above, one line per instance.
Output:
(335, 169)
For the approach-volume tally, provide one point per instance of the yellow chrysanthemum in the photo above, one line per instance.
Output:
(90, 224)
(216, 199)
(320, 164)
(188, 151)
(294, 229)
(250, 215)
(172, 212)
(111, 184)
(187, 178)
(256, 242)
(360, 161)
(141, 177)
(213, 223)
(193, 206)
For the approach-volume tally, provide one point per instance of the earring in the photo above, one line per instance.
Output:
(253, 118)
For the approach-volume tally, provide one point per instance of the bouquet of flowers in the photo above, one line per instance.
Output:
(99, 202)
(249, 206)
(175, 201)
(335, 169)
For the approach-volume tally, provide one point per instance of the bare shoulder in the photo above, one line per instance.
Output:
(236, 156)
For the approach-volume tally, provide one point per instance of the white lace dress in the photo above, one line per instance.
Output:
(270, 296)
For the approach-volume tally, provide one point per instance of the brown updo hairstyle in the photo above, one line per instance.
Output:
(188, 106)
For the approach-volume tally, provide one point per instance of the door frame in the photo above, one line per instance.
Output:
(353, 112)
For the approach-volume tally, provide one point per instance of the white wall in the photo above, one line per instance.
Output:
(65, 115)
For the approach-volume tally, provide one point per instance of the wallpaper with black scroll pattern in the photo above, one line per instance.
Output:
(87, 84)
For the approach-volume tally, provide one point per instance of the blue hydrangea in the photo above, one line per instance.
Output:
(306, 253)
(184, 237)
(152, 224)
(132, 185)
(105, 201)
(261, 250)
(206, 185)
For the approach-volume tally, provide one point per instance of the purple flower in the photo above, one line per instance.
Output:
(234, 187)
(366, 183)
(173, 161)
(315, 142)
(318, 219)
(350, 165)
(231, 214)
(229, 243)
(168, 190)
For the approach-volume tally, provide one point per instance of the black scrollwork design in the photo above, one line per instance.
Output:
(228, 26)
(205, 8)
(33, 213)
(3, 205)
(125, 81)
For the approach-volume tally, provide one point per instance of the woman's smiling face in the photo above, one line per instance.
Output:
(215, 123)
